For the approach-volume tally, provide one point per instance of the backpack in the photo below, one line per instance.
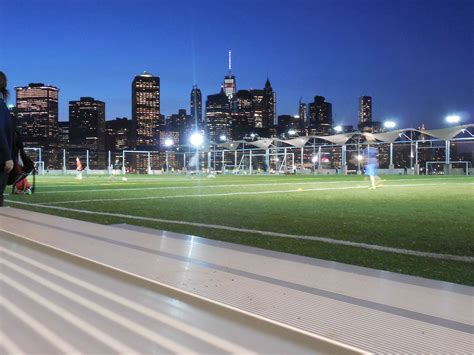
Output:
(22, 164)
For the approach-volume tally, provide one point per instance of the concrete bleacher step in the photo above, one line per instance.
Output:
(367, 309)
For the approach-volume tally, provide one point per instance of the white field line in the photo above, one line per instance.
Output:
(8, 345)
(132, 326)
(222, 185)
(226, 194)
(468, 259)
(197, 187)
(38, 327)
(83, 325)
(204, 336)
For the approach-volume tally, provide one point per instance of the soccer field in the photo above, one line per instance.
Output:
(421, 225)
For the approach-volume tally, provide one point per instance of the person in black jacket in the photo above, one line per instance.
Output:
(6, 137)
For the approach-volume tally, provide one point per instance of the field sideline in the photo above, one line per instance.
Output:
(419, 225)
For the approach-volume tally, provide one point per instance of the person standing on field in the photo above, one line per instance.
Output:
(6, 137)
(372, 164)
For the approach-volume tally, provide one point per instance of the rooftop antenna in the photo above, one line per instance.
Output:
(230, 62)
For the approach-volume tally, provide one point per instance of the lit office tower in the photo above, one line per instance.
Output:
(117, 134)
(146, 111)
(320, 116)
(365, 112)
(229, 80)
(37, 114)
(218, 116)
(258, 106)
(269, 106)
(87, 129)
(303, 113)
(196, 105)
(242, 121)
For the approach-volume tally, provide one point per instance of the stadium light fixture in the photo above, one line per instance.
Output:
(338, 129)
(196, 139)
(359, 157)
(453, 119)
(168, 142)
(389, 124)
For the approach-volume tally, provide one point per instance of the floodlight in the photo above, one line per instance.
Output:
(338, 128)
(359, 157)
(222, 137)
(453, 119)
(389, 124)
(252, 135)
(168, 142)
(196, 139)
(291, 132)
(314, 159)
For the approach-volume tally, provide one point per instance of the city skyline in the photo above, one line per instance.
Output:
(415, 70)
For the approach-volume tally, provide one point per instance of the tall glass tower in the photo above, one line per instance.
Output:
(146, 111)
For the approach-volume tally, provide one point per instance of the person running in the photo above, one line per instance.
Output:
(372, 164)
(6, 137)
(79, 168)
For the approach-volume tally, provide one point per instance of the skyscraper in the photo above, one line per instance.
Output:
(117, 134)
(37, 114)
(242, 115)
(87, 129)
(365, 112)
(63, 134)
(257, 106)
(269, 106)
(218, 115)
(196, 105)
(320, 116)
(229, 80)
(146, 111)
(303, 113)
(182, 124)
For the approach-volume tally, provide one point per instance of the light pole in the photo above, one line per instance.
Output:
(196, 140)
(390, 124)
(168, 143)
(451, 119)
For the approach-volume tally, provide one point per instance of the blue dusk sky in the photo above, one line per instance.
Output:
(414, 57)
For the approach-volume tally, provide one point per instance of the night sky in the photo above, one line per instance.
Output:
(416, 58)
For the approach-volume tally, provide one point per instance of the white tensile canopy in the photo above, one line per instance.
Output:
(447, 133)
(386, 137)
(262, 143)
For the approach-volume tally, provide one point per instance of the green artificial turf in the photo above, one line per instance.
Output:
(436, 215)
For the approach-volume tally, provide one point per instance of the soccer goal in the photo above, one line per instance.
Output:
(36, 156)
(250, 162)
(459, 167)
(139, 161)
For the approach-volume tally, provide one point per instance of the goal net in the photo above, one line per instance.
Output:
(460, 167)
(140, 162)
(257, 162)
